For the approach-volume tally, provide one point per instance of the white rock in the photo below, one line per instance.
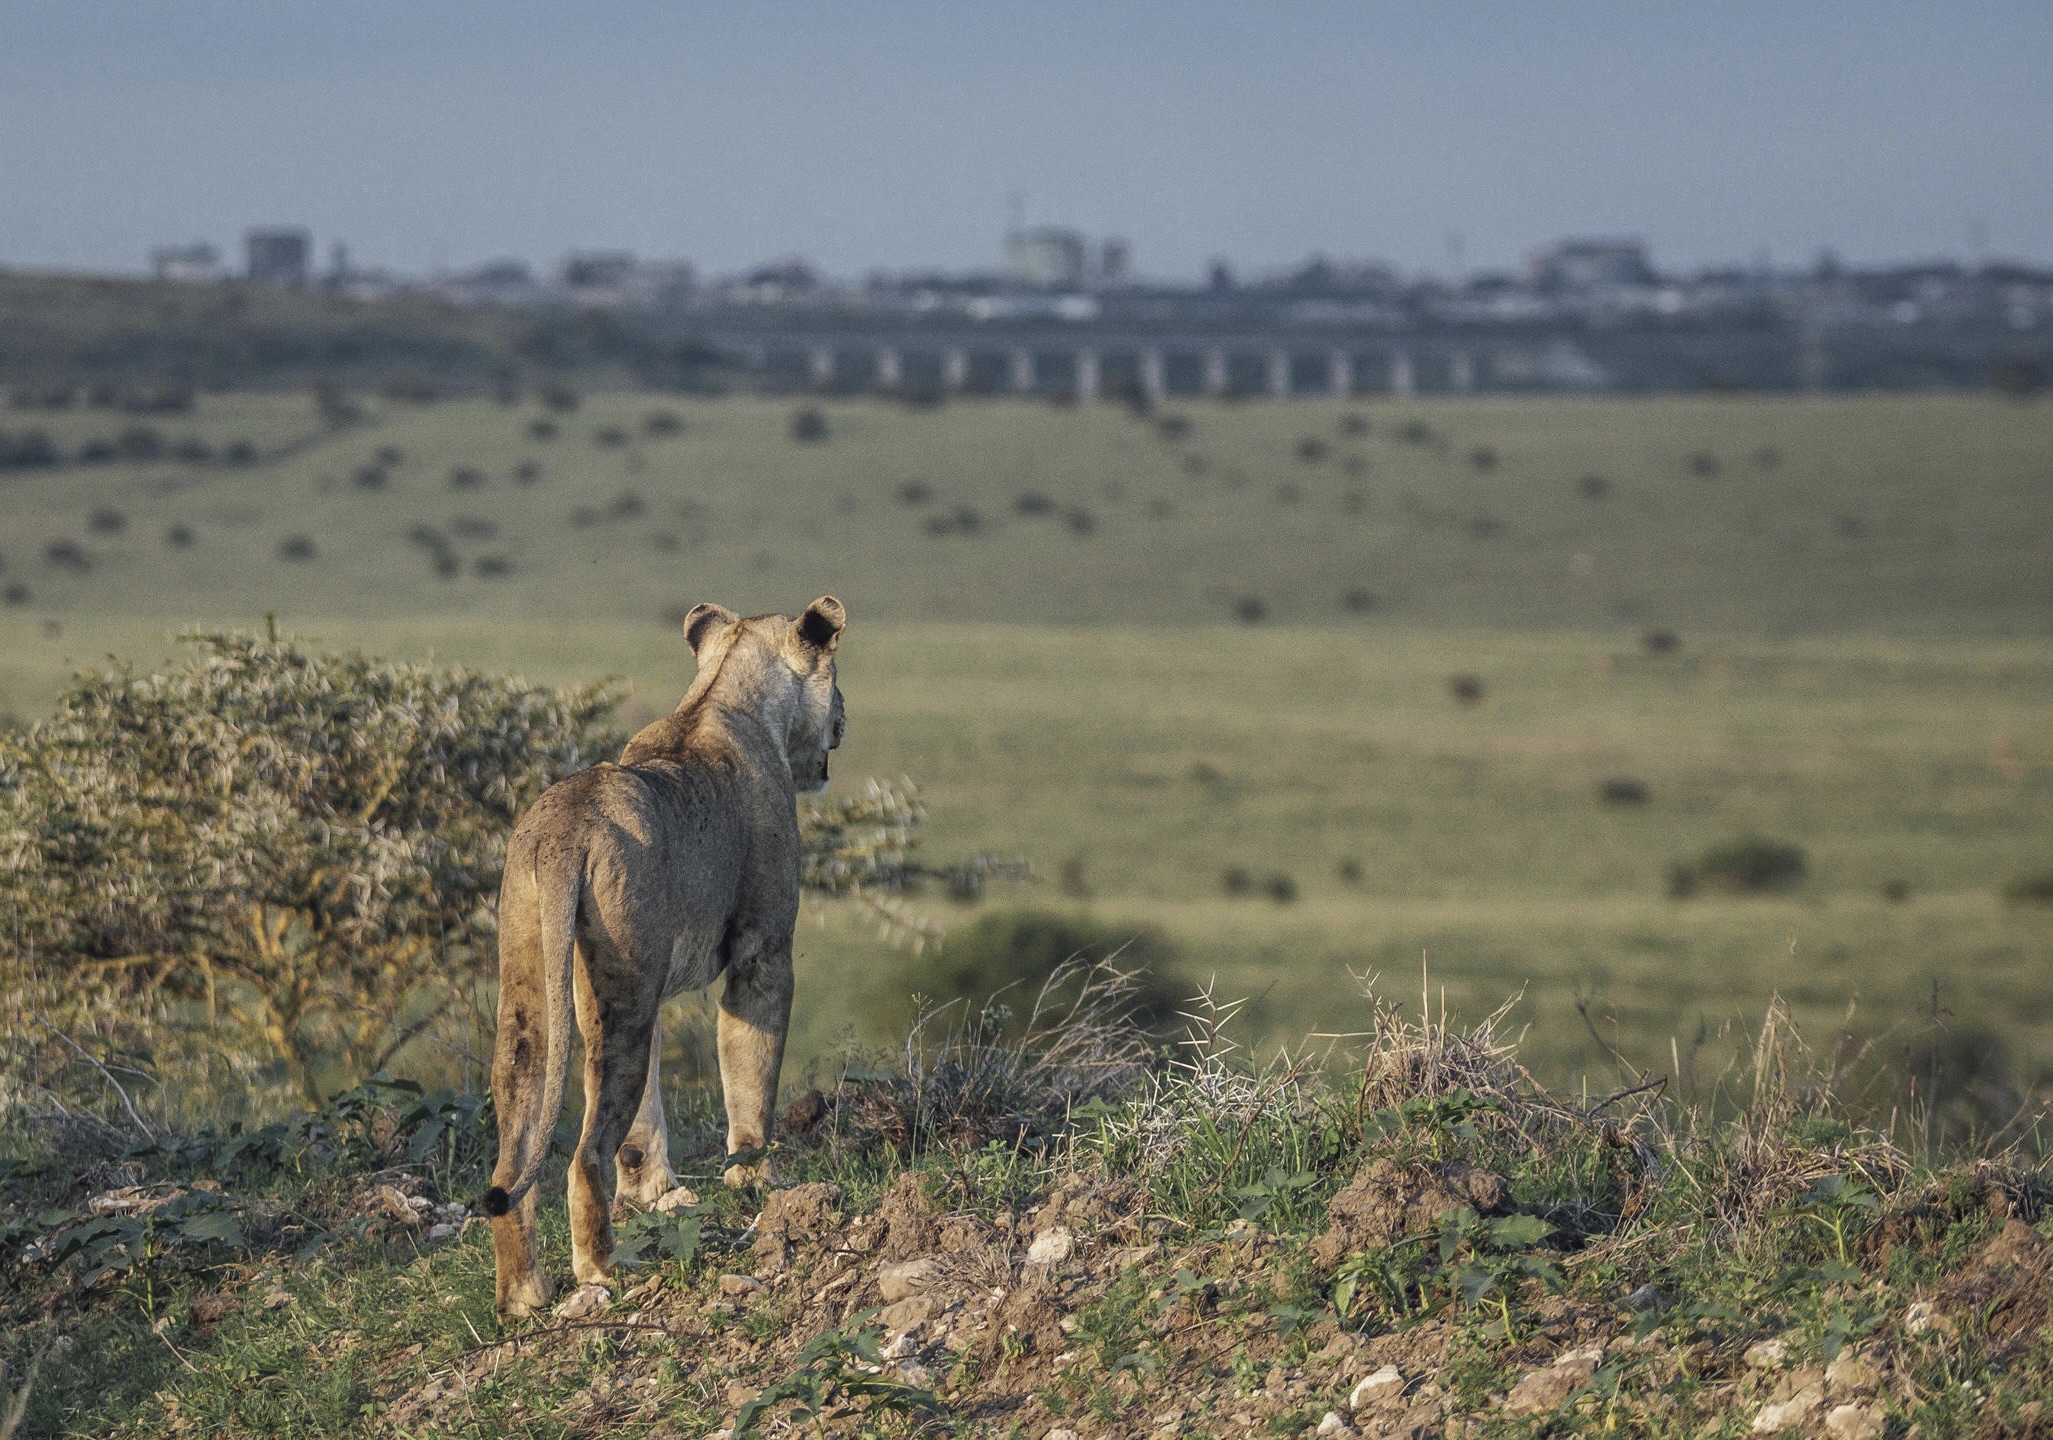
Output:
(898, 1349)
(906, 1278)
(1784, 1414)
(444, 1231)
(584, 1302)
(1053, 1244)
(1766, 1354)
(1920, 1318)
(680, 1198)
(1062, 1432)
(916, 1375)
(1331, 1424)
(1853, 1422)
(1385, 1384)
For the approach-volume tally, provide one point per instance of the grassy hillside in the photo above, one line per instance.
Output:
(1026, 1241)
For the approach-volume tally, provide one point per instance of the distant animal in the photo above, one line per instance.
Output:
(630, 882)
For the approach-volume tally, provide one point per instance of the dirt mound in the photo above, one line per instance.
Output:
(1388, 1201)
(802, 1213)
(2006, 1289)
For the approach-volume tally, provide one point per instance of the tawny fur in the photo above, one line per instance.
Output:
(628, 883)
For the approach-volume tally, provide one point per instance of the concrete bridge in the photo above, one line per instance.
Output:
(1113, 368)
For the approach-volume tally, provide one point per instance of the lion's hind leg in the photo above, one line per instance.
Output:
(616, 1072)
(643, 1162)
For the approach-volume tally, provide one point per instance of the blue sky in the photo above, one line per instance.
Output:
(864, 135)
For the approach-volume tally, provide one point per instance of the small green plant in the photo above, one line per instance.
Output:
(1276, 1185)
(1841, 1206)
(1753, 866)
(840, 1370)
(1477, 1262)
(1432, 1120)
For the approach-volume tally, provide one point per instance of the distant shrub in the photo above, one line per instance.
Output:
(405, 389)
(140, 442)
(107, 521)
(1417, 432)
(67, 555)
(541, 430)
(1622, 790)
(1359, 601)
(1280, 888)
(660, 424)
(1079, 520)
(2018, 377)
(1171, 426)
(473, 527)
(179, 537)
(1465, 689)
(808, 425)
(1753, 866)
(506, 391)
(1703, 462)
(1348, 870)
(1032, 504)
(1236, 881)
(1311, 449)
(627, 505)
(369, 477)
(103, 395)
(390, 456)
(1002, 960)
(914, 493)
(98, 451)
(560, 398)
(492, 567)
(466, 477)
(192, 451)
(296, 548)
(336, 407)
(1353, 424)
(1250, 609)
(239, 452)
(1661, 642)
(1593, 487)
(15, 593)
(610, 437)
(527, 472)
(1483, 457)
(1896, 891)
(2032, 889)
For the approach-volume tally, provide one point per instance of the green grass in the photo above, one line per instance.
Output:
(1863, 669)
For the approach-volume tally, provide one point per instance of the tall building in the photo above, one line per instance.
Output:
(1115, 263)
(279, 257)
(1589, 264)
(1045, 257)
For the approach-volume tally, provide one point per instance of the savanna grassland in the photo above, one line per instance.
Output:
(1200, 668)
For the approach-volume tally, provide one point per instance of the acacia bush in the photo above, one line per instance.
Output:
(295, 845)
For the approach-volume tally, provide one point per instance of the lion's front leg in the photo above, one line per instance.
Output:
(755, 1011)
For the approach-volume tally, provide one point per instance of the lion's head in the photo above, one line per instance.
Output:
(788, 667)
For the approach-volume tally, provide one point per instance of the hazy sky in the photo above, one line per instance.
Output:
(865, 135)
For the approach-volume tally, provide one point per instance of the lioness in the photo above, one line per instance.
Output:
(627, 883)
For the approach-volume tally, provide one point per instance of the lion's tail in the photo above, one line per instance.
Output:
(527, 1112)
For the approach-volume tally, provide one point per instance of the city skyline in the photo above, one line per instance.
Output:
(897, 137)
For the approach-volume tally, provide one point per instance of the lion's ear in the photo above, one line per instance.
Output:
(703, 621)
(821, 625)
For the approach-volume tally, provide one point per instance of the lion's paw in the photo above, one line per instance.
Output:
(584, 1302)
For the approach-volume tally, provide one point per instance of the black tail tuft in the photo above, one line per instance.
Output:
(497, 1201)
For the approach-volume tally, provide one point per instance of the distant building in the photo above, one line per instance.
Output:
(1591, 265)
(195, 263)
(1045, 257)
(278, 257)
(1115, 263)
